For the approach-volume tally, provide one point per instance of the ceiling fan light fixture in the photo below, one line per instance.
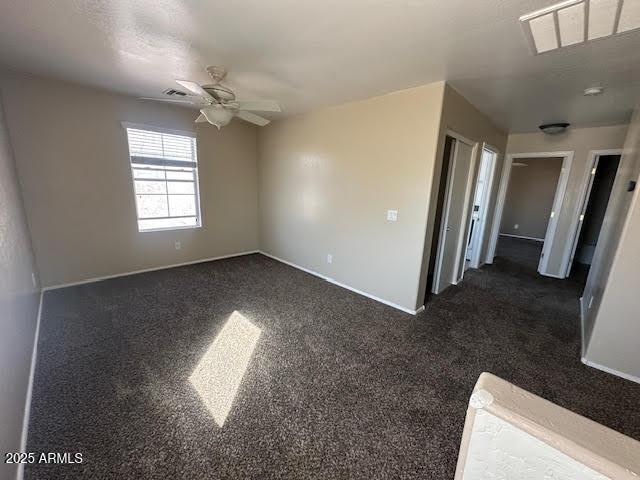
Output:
(554, 128)
(217, 115)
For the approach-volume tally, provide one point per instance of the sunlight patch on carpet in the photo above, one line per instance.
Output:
(219, 373)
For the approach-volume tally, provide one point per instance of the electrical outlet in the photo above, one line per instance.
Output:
(516, 226)
(178, 245)
(392, 215)
(329, 258)
(33, 279)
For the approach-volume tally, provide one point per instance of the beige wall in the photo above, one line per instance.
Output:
(72, 159)
(581, 141)
(463, 118)
(612, 323)
(327, 179)
(530, 197)
(459, 116)
(18, 304)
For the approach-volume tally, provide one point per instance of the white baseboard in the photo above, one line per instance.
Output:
(521, 236)
(27, 401)
(612, 371)
(152, 269)
(335, 282)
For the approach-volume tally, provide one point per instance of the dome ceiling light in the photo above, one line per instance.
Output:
(554, 128)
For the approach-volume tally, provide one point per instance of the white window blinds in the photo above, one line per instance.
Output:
(164, 167)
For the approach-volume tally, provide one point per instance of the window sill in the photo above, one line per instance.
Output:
(166, 229)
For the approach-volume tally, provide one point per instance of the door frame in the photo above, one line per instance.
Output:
(446, 207)
(461, 250)
(445, 214)
(443, 222)
(556, 209)
(475, 260)
(585, 193)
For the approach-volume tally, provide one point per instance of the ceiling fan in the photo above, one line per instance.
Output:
(219, 104)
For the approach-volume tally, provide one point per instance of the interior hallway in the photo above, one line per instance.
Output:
(524, 255)
(338, 385)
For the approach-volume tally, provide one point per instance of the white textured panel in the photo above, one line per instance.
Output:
(602, 16)
(543, 30)
(501, 451)
(629, 16)
(571, 21)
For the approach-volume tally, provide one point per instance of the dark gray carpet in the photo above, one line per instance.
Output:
(339, 386)
(520, 252)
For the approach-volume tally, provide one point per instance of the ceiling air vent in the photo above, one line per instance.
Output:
(578, 21)
(173, 92)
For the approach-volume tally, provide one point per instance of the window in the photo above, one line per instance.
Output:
(164, 167)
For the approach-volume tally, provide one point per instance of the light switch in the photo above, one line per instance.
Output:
(329, 258)
(392, 215)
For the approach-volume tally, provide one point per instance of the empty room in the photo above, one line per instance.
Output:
(363, 239)
(526, 216)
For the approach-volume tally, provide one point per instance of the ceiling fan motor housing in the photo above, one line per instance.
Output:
(220, 92)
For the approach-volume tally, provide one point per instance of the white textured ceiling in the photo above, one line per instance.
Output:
(309, 54)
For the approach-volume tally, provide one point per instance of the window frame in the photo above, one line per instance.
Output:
(196, 179)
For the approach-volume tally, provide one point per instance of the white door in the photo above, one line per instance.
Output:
(450, 246)
(479, 207)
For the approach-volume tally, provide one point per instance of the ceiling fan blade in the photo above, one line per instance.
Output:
(252, 118)
(170, 100)
(259, 105)
(201, 119)
(193, 87)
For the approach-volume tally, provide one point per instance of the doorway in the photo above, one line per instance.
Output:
(450, 254)
(480, 208)
(529, 227)
(596, 192)
(442, 190)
